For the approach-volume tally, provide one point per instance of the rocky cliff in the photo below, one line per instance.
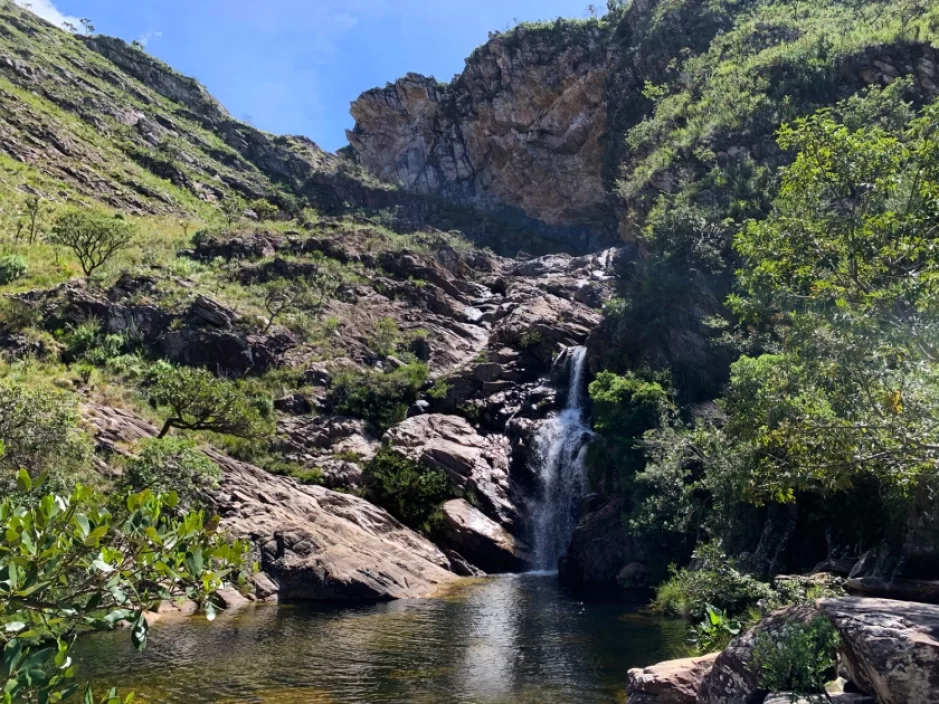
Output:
(525, 124)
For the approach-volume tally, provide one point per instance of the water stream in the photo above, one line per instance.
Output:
(561, 455)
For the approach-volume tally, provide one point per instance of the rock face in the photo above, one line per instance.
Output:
(524, 125)
(671, 682)
(473, 462)
(318, 544)
(312, 543)
(889, 648)
(602, 550)
(481, 540)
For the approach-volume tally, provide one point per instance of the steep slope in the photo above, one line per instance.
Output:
(95, 118)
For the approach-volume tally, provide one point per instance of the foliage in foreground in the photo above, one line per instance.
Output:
(69, 563)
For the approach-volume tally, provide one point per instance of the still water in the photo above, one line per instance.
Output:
(505, 640)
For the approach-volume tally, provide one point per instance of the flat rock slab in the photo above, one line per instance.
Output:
(889, 648)
(670, 682)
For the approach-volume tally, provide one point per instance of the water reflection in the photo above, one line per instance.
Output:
(511, 639)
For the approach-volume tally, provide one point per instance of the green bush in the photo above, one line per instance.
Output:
(408, 490)
(801, 659)
(715, 581)
(715, 632)
(381, 398)
(12, 267)
(40, 430)
(171, 465)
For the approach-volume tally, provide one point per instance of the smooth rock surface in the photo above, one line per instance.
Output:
(472, 461)
(889, 648)
(670, 682)
(481, 540)
(319, 544)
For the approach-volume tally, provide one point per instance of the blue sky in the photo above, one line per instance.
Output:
(293, 66)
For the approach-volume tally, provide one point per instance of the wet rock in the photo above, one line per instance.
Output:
(481, 540)
(600, 549)
(671, 682)
(890, 649)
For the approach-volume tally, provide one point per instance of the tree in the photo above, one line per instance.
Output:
(84, 560)
(32, 208)
(283, 296)
(40, 431)
(847, 272)
(232, 209)
(87, 26)
(93, 236)
(198, 400)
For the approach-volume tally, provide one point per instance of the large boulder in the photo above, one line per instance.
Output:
(732, 679)
(475, 463)
(671, 682)
(318, 544)
(889, 648)
(481, 540)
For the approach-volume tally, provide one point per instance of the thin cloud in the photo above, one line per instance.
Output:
(148, 37)
(48, 12)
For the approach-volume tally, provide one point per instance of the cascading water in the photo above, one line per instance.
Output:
(561, 449)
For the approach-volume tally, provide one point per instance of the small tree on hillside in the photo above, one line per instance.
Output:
(284, 296)
(264, 209)
(92, 236)
(32, 212)
(232, 209)
(198, 400)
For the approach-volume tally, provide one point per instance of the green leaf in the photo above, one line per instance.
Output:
(23, 481)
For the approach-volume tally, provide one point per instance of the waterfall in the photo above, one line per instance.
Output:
(561, 449)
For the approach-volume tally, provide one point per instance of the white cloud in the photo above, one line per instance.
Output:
(149, 36)
(48, 11)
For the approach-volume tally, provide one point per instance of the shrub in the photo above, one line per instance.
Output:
(12, 267)
(80, 561)
(93, 236)
(410, 491)
(379, 397)
(716, 581)
(715, 632)
(264, 209)
(171, 465)
(40, 431)
(198, 400)
(800, 660)
(386, 338)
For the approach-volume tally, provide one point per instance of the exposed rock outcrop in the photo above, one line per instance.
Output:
(312, 543)
(889, 648)
(318, 544)
(475, 463)
(732, 679)
(670, 682)
(524, 125)
(480, 539)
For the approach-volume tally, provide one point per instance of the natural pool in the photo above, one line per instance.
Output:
(513, 639)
